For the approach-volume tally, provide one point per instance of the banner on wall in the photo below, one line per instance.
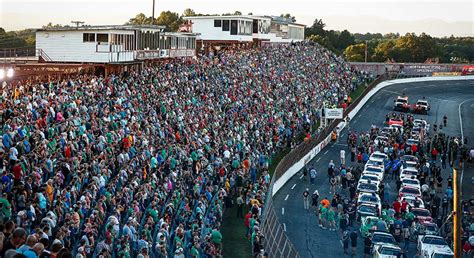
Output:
(468, 70)
(333, 113)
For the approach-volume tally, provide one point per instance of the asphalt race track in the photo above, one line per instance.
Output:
(452, 98)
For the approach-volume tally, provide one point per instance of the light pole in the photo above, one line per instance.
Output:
(153, 13)
(456, 213)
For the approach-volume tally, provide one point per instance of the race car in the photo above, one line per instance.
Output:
(382, 239)
(401, 104)
(421, 107)
(369, 225)
(369, 198)
(433, 246)
(395, 121)
(366, 209)
(388, 251)
(423, 215)
(409, 190)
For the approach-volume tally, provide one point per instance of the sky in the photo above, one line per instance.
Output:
(437, 18)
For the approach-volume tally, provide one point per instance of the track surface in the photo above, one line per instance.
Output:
(453, 98)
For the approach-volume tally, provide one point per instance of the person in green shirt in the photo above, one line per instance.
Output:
(322, 216)
(6, 208)
(331, 219)
(216, 238)
(195, 250)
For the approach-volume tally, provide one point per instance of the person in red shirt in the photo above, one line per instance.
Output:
(397, 206)
(248, 216)
(17, 172)
(404, 205)
(434, 153)
(414, 148)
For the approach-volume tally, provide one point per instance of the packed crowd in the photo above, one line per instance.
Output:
(141, 164)
(391, 199)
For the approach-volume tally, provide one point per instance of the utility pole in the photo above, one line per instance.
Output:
(77, 23)
(366, 51)
(153, 13)
(457, 246)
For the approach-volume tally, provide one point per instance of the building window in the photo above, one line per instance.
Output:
(217, 23)
(225, 25)
(88, 37)
(103, 38)
(234, 27)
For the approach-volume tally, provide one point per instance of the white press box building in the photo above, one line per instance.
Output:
(112, 44)
(214, 30)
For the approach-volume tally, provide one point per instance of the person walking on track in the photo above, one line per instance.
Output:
(306, 199)
(343, 157)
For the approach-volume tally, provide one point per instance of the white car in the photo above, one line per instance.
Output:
(411, 201)
(409, 164)
(430, 246)
(374, 170)
(381, 239)
(387, 251)
(408, 173)
(373, 163)
(369, 198)
(397, 128)
(412, 141)
(370, 178)
(420, 123)
(367, 188)
(378, 156)
(411, 182)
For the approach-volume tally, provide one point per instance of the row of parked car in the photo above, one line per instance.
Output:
(375, 221)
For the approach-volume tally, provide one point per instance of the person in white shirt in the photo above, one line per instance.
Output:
(343, 157)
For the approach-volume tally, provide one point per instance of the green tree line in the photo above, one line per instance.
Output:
(393, 46)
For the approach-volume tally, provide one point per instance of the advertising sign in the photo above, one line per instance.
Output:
(333, 113)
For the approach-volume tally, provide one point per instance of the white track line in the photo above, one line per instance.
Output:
(301, 177)
(462, 135)
(318, 159)
(293, 187)
(286, 198)
(282, 211)
(284, 227)
(326, 152)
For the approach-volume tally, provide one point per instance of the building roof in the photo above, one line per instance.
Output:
(277, 19)
(242, 17)
(104, 27)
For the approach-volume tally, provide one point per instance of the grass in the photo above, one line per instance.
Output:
(233, 235)
(358, 91)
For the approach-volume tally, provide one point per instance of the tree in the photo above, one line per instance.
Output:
(50, 25)
(355, 53)
(237, 13)
(289, 17)
(344, 40)
(316, 29)
(140, 19)
(189, 12)
(171, 20)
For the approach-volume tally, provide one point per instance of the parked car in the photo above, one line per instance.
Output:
(430, 246)
(382, 239)
(387, 251)
(409, 191)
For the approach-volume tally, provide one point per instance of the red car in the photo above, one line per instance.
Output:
(409, 190)
(423, 215)
(395, 121)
